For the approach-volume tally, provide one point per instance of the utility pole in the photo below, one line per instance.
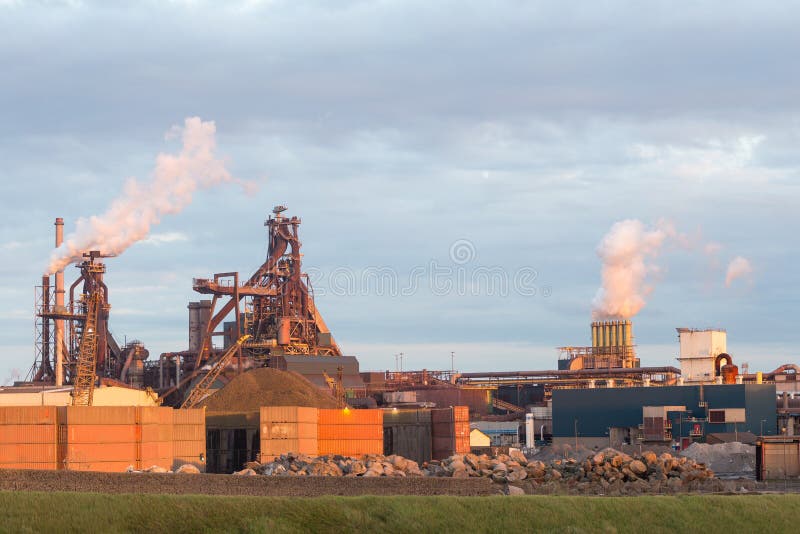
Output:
(576, 434)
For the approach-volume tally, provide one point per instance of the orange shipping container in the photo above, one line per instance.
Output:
(189, 432)
(156, 449)
(105, 467)
(27, 434)
(107, 452)
(154, 415)
(288, 414)
(188, 448)
(350, 432)
(194, 416)
(28, 452)
(97, 415)
(275, 447)
(28, 415)
(289, 430)
(156, 432)
(101, 433)
(349, 447)
(350, 417)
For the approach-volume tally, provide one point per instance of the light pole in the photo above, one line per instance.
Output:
(452, 362)
(576, 434)
(401, 362)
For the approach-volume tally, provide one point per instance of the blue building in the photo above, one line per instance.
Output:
(668, 415)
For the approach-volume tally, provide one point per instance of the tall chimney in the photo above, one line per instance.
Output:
(613, 330)
(59, 338)
(594, 334)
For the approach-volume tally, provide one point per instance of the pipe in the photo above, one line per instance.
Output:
(59, 337)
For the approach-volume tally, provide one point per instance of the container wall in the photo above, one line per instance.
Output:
(189, 438)
(350, 432)
(287, 429)
(450, 431)
(29, 437)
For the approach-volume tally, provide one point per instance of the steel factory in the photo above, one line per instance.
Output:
(222, 402)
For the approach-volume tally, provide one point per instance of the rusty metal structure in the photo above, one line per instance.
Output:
(87, 334)
(612, 348)
(73, 343)
(275, 307)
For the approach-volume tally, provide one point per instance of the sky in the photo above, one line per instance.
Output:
(455, 165)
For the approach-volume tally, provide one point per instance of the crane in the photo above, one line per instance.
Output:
(200, 390)
(83, 387)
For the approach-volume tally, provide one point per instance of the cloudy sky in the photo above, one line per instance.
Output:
(434, 144)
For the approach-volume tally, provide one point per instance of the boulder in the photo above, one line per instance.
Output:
(517, 456)
(638, 467)
(649, 457)
(155, 469)
(246, 472)
(190, 469)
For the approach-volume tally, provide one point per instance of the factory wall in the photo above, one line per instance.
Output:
(595, 410)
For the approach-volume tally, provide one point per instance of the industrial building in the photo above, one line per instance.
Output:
(668, 415)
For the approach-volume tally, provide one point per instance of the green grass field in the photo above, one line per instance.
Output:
(89, 512)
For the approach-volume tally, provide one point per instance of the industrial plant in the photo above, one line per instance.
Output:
(248, 333)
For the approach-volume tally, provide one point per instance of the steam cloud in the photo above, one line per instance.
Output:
(628, 254)
(141, 206)
(625, 251)
(737, 268)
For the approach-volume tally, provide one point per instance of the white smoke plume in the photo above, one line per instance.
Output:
(737, 268)
(626, 251)
(129, 217)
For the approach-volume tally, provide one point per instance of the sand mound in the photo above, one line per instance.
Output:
(267, 387)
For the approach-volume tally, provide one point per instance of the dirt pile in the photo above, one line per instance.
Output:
(267, 387)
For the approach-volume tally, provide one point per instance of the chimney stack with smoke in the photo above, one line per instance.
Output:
(129, 217)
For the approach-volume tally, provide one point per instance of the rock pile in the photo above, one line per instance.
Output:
(606, 472)
(371, 465)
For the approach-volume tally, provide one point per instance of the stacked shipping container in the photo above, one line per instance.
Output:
(288, 429)
(83, 438)
(28, 438)
(156, 439)
(350, 432)
(450, 428)
(189, 438)
(103, 438)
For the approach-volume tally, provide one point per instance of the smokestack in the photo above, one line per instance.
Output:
(613, 329)
(628, 333)
(59, 338)
(594, 334)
